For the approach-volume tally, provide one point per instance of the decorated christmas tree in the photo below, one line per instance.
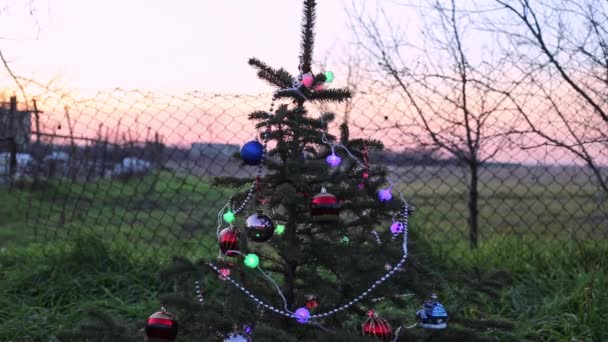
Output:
(315, 247)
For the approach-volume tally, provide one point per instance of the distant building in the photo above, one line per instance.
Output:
(15, 124)
(211, 150)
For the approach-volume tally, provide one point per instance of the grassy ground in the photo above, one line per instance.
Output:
(554, 290)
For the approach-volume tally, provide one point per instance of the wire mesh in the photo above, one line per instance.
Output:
(137, 167)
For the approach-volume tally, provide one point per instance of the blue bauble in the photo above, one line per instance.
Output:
(252, 153)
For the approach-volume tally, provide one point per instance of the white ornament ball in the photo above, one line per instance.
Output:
(237, 337)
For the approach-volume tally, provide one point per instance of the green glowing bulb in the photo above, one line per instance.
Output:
(280, 229)
(252, 260)
(329, 76)
(345, 240)
(229, 216)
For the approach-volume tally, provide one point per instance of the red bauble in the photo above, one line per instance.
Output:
(325, 207)
(229, 241)
(259, 227)
(311, 302)
(161, 326)
(377, 327)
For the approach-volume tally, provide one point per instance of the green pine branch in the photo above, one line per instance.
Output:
(280, 78)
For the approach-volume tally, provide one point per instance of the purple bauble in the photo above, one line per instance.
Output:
(259, 227)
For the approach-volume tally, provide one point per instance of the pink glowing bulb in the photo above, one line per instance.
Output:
(333, 160)
(307, 80)
(385, 195)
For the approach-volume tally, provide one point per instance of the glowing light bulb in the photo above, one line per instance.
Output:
(302, 315)
(385, 195)
(333, 160)
(280, 229)
(229, 216)
(329, 76)
(252, 260)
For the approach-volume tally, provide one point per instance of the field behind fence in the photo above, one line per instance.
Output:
(136, 168)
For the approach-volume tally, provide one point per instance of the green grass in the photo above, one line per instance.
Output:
(551, 295)
(101, 245)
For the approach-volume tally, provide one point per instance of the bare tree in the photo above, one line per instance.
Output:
(454, 104)
(561, 47)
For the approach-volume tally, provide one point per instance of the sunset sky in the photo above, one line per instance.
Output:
(175, 47)
(162, 45)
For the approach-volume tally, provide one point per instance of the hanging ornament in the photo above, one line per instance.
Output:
(396, 228)
(251, 260)
(252, 153)
(385, 194)
(311, 302)
(161, 326)
(259, 227)
(302, 315)
(325, 207)
(333, 159)
(307, 80)
(376, 327)
(329, 76)
(229, 241)
(237, 337)
(432, 315)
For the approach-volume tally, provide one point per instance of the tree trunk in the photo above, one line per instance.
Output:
(473, 207)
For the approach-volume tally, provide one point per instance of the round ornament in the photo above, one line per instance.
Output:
(311, 302)
(161, 326)
(229, 241)
(376, 327)
(237, 337)
(259, 227)
(325, 207)
(252, 153)
(432, 315)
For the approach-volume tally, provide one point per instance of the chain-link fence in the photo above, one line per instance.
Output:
(137, 167)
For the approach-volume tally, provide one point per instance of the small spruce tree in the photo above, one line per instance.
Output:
(335, 262)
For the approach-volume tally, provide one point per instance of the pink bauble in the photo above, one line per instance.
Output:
(307, 80)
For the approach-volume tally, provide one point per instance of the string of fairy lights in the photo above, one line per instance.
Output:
(302, 315)
(228, 237)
